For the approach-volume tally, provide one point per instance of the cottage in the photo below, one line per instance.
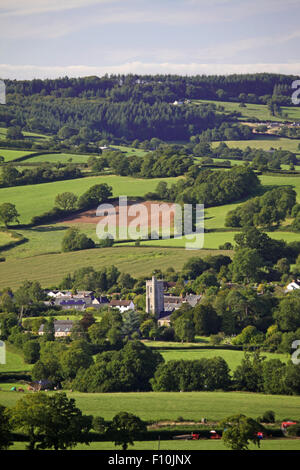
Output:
(293, 285)
(122, 305)
(62, 328)
(164, 319)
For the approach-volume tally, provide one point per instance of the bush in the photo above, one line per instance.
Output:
(74, 241)
(268, 417)
(99, 424)
(294, 430)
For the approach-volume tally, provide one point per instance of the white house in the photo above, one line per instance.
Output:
(122, 305)
(293, 285)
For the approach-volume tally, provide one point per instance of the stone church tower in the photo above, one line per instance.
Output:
(154, 296)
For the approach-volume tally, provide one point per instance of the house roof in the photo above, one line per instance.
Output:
(120, 303)
(60, 326)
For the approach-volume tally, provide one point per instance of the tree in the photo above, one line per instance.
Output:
(206, 320)
(94, 196)
(9, 175)
(74, 241)
(50, 421)
(49, 330)
(287, 316)
(31, 350)
(8, 213)
(184, 329)
(66, 201)
(240, 431)
(73, 359)
(125, 428)
(245, 265)
(5, 429)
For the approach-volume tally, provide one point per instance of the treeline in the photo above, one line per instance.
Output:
(271, 208)
(261, 159)
(225, 131)
(139, 107)
(151, 88)
(254, 374)
(11, 176)
(161, 163)
(208, 187)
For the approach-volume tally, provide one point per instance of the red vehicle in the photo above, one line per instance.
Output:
(286, 424)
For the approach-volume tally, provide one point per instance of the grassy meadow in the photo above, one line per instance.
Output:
(257, 111)
(58, 158)
(49, 269)
(36, 199)
(165, 406)
(11, 155)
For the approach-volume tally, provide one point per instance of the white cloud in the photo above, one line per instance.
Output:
(31, 71)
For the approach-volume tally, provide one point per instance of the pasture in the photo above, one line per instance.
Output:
(264, 142)
(49, 268)
(36, 199)
(11, 155)
(232, 357)
(192, 406)
(200, 445)
(59, 158)
(254, 111)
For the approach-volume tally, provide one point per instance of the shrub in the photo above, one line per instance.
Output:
(268, 417)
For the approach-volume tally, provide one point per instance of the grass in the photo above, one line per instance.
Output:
(233, 358)
(58, 158)
(264, 142)
(14, 361)
(36, 199)
(11, 155)
(32, 135)
(257, 111)
(200, 445)
(49, 269)
(162, 406)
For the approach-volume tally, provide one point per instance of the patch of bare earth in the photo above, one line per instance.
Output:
(145, 214)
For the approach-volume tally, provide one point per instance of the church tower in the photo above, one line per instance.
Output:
(154, 296)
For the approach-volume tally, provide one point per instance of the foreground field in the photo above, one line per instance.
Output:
(201, 445)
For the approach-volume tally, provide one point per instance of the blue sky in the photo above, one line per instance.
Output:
(51, 38)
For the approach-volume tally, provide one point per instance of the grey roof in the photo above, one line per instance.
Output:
(60, 326)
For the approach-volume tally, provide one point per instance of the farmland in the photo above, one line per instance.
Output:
(255, 111)
(49, 269)
(36, 199)
(163, 406)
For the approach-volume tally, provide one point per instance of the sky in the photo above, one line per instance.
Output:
(56, 38)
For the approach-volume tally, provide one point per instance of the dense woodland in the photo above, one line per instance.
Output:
(134, 106)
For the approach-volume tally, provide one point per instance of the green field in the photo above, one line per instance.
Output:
(49, 269)
(36, 199)
(162, 406)
(233, 358)
(32, 135)
(264, 142)
(14, 361)
(59, 158)
(10, 155)
(201, 445)
(257, 111)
